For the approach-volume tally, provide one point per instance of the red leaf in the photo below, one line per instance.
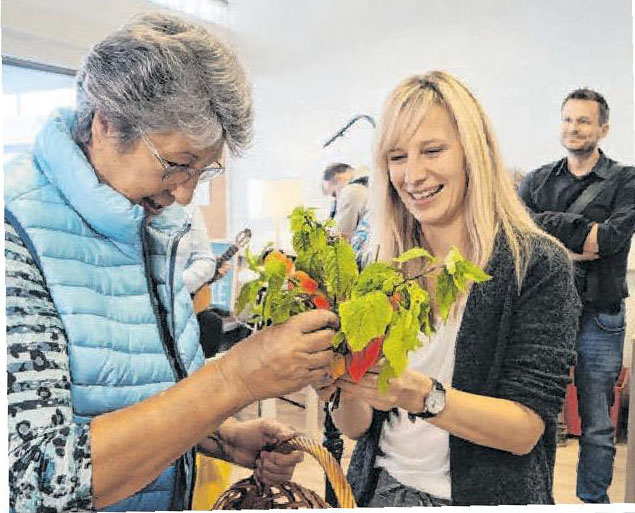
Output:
(358, 362)
(307, 284)
(321, 301)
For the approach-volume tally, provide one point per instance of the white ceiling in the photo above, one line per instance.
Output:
(60, 32)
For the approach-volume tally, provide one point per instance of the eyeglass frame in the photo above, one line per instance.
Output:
(205, 174)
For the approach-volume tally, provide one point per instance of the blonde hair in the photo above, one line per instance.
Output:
(491, 201)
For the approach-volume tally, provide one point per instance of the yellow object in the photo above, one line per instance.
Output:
(331, 467)
(212, 479)
(202, 298)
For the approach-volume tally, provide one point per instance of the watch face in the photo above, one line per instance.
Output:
(435, 401)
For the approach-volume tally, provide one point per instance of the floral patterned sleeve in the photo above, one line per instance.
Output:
(49, 455)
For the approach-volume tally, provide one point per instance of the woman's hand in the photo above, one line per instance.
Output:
(408, 391)
(325, 393)
(245, 443)
(284, 358)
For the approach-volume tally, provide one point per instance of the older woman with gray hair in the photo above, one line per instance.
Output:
(109, 395)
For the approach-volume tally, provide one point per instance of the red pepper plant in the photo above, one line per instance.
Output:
(381, 309)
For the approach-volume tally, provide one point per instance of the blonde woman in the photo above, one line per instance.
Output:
(486, 389)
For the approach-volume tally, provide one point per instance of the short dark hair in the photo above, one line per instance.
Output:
(335, 169)
(591, 95)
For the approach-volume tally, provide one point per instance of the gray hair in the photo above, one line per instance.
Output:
(160, 73)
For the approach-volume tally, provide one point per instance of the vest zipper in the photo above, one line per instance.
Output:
(189, 487)
(170, 281)
(170, 351)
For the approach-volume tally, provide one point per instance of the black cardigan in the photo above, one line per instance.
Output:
(511, 345)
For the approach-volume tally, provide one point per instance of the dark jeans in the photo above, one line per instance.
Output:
(391, 493)
(599, 346)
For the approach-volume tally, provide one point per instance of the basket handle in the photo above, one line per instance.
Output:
(329, 464)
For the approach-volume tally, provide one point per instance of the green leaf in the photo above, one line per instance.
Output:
(312, 263)
(472, 271)
(339, 338)
(402, 337)
(340, 269)
(308, 234)
(413, 253)
(301, 216)
(298, 305)
(309, 239)
(424, 320)
(274, 274)
(376, 276)
(386, 373)
(451, 259)
(417, 297)
(446, 293)
(462, 270)
(365, 318)
(281, 304)
(252, 261)
(274, 270)
(248, 294)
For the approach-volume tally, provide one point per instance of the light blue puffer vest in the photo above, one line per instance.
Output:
(97, 252)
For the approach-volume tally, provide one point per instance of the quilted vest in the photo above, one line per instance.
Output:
(131, 329)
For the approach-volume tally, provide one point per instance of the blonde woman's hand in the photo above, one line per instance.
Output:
(325, 392)
(408, 391)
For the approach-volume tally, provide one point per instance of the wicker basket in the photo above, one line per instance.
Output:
(251, 494)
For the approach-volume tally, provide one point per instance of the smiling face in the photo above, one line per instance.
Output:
(137, 174)
(428, 171)
(580, 128)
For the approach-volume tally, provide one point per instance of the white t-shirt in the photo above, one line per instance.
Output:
(418, 454)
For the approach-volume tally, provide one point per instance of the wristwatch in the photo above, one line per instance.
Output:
(433, 404)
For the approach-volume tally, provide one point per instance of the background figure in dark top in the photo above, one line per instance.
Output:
(587, 201)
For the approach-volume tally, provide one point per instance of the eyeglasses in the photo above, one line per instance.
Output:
(170, 169)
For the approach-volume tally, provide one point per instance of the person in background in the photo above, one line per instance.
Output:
(109, 396)
(195, 256)
(472, 420)
(587, 201)
(349, 191)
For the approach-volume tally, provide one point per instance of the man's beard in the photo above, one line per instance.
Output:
(582, 150)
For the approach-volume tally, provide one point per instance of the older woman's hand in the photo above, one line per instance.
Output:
(408, 391)
(284, 358)
(246, 443)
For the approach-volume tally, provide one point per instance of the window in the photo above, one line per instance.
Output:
(30, 93)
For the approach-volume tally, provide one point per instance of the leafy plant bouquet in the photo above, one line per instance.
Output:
(381, 309)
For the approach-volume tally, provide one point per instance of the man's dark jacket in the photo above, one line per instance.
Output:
(601, 283)
(512, 345)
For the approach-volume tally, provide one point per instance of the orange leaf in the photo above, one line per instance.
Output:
(338, 366)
